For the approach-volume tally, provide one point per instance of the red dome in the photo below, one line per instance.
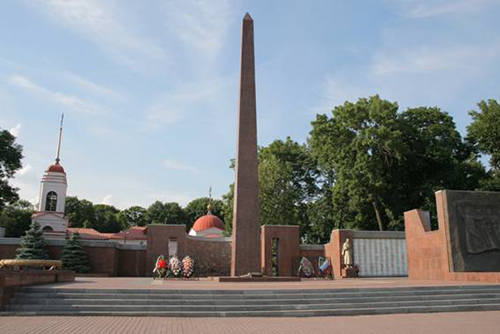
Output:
(208, 221)
(56, 169)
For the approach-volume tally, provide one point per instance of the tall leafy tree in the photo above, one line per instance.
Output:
(156, 213)
(386, 162)
(278, 198)
(16, 218)
(303, 168)
(10, 162)
(484, 133)
(362, 143)
(438, 158)
(165, 213)
(227, 209)
(287, 185)
(320, 214)
(80, 212)
(133, 216)
(106, 219)
(174, 213)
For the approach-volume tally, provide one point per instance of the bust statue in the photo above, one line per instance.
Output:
(347, 253)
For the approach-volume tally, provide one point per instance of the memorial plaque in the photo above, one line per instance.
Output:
(473, 220)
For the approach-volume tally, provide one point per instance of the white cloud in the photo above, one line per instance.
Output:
(175, 165)
(336, 91)
(411, 76)
(27, 179)
(99, 131)
(68, 101)
(108, 199)
(458, 59)
(92, 86)
(25, 169)
(15, 130)
(161, 114)
(99, 22)
(431, 8)
(170, 196)
(200, 24)
(188, 99)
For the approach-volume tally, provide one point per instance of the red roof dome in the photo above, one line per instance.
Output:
(56, 169)
(208, 221)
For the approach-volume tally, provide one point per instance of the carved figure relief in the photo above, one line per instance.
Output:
(482, 226)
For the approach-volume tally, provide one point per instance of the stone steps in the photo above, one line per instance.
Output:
(262, 307)
(237, 294)
(246, 303)
(240, 301)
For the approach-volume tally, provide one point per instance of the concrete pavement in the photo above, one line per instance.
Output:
(456, 323)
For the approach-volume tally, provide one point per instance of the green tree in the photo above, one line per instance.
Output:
(277, 195)
(198, 207)
(156, 213)
(165, 213)
(133, 216)
(174, 214)
(106, 219)
(484, 133)
(227, 209)
(32, 245)
(73, 255)
(363, 144)
(290, 182)
(387, 162)
(287, 185)
(303, 168)
(438, 159)
(16, 218)
(10, 162)
(320, 213)
(79, 211)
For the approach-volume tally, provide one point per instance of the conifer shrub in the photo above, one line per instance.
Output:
(73, 255)
(33, 245)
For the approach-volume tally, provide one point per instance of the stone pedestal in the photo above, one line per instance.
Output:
(349, 272)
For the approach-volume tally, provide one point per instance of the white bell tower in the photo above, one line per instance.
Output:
(50, 212)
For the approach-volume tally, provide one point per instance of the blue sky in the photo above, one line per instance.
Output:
(150, 88)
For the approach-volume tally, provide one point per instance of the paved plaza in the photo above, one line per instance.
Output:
(456, 323)
(459, 322)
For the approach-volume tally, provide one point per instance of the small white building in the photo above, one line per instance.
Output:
(52, 201)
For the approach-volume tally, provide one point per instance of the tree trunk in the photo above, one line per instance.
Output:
(377, 213)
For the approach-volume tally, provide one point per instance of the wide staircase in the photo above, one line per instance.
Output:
(253, 303)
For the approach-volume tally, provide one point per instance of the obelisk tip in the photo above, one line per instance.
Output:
(247, 17)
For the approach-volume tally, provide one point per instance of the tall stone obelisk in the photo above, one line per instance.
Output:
(245, 257)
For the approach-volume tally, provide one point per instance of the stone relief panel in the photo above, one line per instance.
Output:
(473, 230)
(482, 227)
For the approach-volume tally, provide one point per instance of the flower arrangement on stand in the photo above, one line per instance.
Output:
(161, 267)
(306, 267)
(187, 266)
(175, 266)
